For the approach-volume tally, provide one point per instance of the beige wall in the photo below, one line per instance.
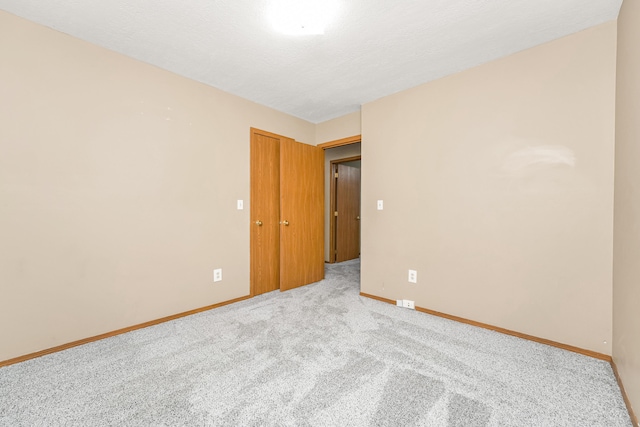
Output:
(118, 189)
(118, 184)
(626, 262)
(338, 128)
(498, 189)
(337, 153)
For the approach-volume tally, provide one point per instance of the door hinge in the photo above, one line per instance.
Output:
(336, 175)
(335, 213)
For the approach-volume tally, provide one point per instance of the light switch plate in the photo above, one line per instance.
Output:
(240, 205)
(380, 205)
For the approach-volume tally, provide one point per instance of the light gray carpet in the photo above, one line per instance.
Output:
(319, 356)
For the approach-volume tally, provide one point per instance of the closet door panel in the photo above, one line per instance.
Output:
(301, 214)
(265, 213)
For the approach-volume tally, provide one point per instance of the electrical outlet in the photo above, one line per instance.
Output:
(413, 276)
(407, 303)
(217, 275)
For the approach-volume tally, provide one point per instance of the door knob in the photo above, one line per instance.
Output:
(358, 218)
(258, 223)
(285, 222)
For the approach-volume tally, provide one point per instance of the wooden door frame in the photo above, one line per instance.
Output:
(341, 142)
(332, 203)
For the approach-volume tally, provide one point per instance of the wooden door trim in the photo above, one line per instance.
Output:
(332, 204)
(265, 133)
(340, 142)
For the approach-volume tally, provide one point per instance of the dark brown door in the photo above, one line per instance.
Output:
(348, 209)
(265, 213)
(301, 214)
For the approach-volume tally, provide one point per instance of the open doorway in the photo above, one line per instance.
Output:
(347, 156)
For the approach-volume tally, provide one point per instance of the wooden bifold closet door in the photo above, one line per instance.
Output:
(287, 221)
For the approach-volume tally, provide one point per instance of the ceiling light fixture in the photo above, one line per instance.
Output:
(302, 17)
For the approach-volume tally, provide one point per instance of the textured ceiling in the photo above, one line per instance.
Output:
(373, 48)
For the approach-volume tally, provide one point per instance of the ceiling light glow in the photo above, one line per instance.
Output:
(302, 17)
